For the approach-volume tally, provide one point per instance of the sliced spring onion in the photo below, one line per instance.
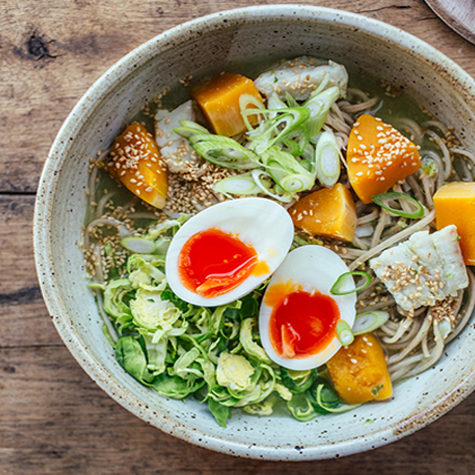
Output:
(256, 174)
(298, 144)
(308, 155)
(308, 165)
(291, 179)
(275, 102)
(189, 128)
(138, 244)
(327, 159)
(246, 100)
(296, 182)
(293, 147)
(364, 230)
(319, 104)
(238, 185)
(323, 85)
(384, 200)
(274, 131)
(287, 171)
(344, 281)
(369, 321)
(223, 151)
(344, 333)
(290, 100)
(445, 328)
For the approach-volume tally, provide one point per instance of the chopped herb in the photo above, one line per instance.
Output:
(175, 300)
(375, 391)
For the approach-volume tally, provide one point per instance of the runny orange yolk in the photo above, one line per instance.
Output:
(213, 262)
(302, 323)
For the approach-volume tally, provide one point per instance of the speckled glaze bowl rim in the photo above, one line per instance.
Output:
(49, 182)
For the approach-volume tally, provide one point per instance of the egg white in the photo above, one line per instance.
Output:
(258, 222)
(311, 268)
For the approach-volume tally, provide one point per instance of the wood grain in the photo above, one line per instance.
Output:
(460, 16)
(51, 52)
(60, 422)
(53, 418)
(22, 310)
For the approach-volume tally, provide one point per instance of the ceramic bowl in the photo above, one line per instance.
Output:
(244, 38)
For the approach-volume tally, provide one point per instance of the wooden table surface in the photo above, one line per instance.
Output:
(53, 418)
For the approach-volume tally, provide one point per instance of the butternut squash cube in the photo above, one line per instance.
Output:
(378, 156)
(135, 161)
(359, 372)
(219, 101)
(327, 212)
(454, 203)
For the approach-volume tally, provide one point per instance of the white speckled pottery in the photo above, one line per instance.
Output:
(256, 36)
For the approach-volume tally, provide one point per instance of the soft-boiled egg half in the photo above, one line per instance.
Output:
(227, 250)
(298, 315)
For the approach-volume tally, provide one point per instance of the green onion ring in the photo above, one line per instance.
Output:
(336, 288)
(344, 333)
(384, 198)
(367, 322)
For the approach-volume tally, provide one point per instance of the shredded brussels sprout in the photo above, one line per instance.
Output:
(213, 354)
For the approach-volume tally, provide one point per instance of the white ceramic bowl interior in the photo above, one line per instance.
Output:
(240, 40)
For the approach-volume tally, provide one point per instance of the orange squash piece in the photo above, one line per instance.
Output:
(327, 212)
(378, 156)
(135, 161)
(219, 101)
(359, 372)
(454, 203)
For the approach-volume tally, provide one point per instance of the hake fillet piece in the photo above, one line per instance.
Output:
(424, 269)
(301, 76)
(173, 148)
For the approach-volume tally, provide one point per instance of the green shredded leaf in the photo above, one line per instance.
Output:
(326, 400)
(375, 391)
(131, 357)
(169, 295)
(175, 387)
(109, 338)
(220, 412)
(297, 381)
(301, 408)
